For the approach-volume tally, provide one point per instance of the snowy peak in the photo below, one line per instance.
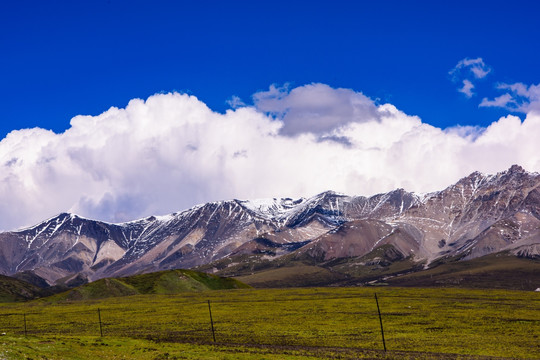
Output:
(513, 177)
(47, 229)
(271, 208)
(392, 204)
(281, 209)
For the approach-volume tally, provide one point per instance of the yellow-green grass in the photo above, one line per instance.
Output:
(161, 282)
(279, 324)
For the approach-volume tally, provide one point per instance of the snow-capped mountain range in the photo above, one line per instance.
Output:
(479, 215)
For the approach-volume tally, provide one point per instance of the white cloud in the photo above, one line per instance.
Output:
(476, 67)
(467, 132)
(235, 102)
(171, 151)
(464, 69)
(315, 108)
(500, 101)
(519, 89)
(520, 98)
(467, 88)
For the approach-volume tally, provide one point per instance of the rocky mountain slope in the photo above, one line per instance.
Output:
(479, 215)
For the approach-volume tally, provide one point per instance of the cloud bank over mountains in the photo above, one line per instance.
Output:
(170, 152)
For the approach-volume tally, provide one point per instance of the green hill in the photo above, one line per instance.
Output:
(162, 282)
(12, 289)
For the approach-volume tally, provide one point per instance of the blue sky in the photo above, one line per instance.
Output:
(64, 58)
(247, 99)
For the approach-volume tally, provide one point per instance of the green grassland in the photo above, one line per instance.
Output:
(295, 323)
(161, 282)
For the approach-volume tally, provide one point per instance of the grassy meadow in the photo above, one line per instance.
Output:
(294, 323)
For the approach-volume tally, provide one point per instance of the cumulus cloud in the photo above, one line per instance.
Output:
(466, 68)
(170, 152)
(315, 108)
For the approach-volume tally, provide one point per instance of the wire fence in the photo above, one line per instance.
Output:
(303, 318)
(293, 321)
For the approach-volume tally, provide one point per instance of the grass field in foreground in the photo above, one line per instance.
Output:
(279, 324)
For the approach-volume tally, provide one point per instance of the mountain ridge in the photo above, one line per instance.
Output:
(478, 215)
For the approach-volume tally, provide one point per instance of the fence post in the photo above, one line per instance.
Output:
(211, 321)
(99, 318)
(380, 320)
